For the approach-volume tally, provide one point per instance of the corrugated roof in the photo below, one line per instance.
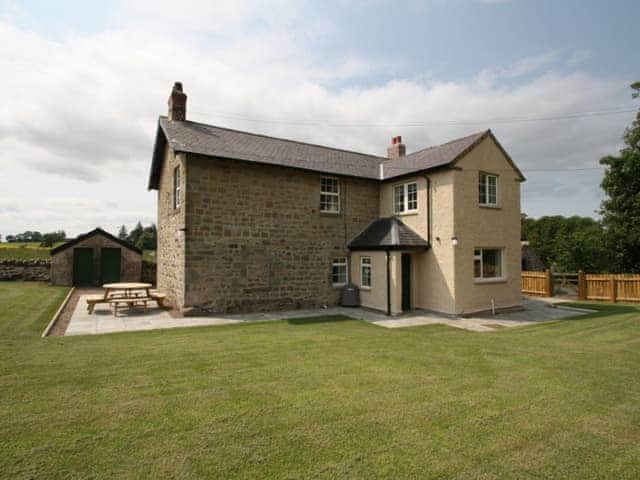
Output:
(212, 141)
(388, 233)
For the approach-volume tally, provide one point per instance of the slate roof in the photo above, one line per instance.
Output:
(212, 141)
(388, 233)
(95, 231)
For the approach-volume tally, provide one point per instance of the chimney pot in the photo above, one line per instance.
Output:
(177, 103)
(397, 148)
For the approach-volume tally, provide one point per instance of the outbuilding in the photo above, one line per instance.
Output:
(95, 258)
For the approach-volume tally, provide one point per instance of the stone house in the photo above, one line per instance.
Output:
(248, 222)
(95, 258)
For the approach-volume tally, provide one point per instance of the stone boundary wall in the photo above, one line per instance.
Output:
(30, 270)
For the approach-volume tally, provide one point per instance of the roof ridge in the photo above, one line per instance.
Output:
(483, 132)
(299, 142)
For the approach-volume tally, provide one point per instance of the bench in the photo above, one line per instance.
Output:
(93, 300)
(159, 298)
(128, 302)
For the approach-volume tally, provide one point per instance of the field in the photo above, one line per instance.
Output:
(325, 398)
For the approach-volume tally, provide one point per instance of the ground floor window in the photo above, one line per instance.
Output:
(487, 263)
(339, 271)
(365, 272)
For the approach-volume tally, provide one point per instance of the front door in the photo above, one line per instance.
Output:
(406, 282)
(110, 265)
(83, 266)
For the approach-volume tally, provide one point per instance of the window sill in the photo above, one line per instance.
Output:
(492, 207)
(404, 214)
(366, 289)
(338, 285)
(490, 280)
(324, 212)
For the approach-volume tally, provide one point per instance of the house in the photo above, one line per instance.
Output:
(248, 222)
(95, 258)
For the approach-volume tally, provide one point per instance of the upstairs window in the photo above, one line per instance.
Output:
(339, 271)
(365, 272)
(176, 187)
(329, 195)
(405, 198)
(487, 263)
(488, 190)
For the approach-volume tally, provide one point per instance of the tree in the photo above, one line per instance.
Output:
(148, 239)
(621, 208)
(51, 238)
(123, 234)
(134, 234)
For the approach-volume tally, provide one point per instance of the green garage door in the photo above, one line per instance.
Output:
(110, 265)
(82, 266)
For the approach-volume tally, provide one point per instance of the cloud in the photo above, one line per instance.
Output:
(80, 110)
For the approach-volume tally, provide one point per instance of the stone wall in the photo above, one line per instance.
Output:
(256, 240)
(32, 270)
(171, 224)
(62, 262)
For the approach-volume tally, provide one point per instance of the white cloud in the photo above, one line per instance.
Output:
(80, 115)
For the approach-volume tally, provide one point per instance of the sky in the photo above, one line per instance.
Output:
(84, 82)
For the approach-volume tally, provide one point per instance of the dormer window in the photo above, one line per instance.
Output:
(405, 198)
(488, 190)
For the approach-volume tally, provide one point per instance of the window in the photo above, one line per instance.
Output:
(488, 189)
(339, 271)
(329, 195)
(405, 198)
(365, 272)
(176, 187)
(487, 263)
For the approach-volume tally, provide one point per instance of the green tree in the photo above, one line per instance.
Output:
(51, 238)
(621, 207)
(122, 233)
(134, 234)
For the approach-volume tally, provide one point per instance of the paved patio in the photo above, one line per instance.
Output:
(103, 321)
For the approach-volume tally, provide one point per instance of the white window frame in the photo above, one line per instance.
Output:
(485, 191)
(330, 194)
(177, 187)
(480, 257)
(365, 264)
(340, 262)
(404, 208)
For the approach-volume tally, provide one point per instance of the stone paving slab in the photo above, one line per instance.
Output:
(103, 321)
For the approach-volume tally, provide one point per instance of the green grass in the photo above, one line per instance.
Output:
(319, 399)
(23, 251)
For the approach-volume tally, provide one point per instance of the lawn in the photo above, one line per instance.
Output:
(318, 399)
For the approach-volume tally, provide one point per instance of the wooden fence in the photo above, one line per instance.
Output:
(611, 288)
(537, 283)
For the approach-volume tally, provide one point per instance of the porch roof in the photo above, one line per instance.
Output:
(388, 233)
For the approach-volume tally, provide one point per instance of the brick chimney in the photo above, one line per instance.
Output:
(177, 103)
(397, 148)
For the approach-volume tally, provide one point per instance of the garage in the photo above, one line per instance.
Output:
(95, 258)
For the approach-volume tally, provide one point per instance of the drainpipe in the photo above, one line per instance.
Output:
(388, 283)
(428, 209)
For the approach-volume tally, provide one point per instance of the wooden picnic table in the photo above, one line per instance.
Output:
(123, 295)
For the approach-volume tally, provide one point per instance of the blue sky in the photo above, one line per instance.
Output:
(89, 79)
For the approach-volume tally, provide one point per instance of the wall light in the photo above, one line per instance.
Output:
(454, 241)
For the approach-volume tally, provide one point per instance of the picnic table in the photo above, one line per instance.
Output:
(124, 295)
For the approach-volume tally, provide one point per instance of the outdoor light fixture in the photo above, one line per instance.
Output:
(454, 241)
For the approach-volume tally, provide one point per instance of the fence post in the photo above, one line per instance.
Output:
(582, 286)
(613, 285)
(549, 280)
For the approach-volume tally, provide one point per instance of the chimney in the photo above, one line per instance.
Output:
(397, 148)
(177, 103)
